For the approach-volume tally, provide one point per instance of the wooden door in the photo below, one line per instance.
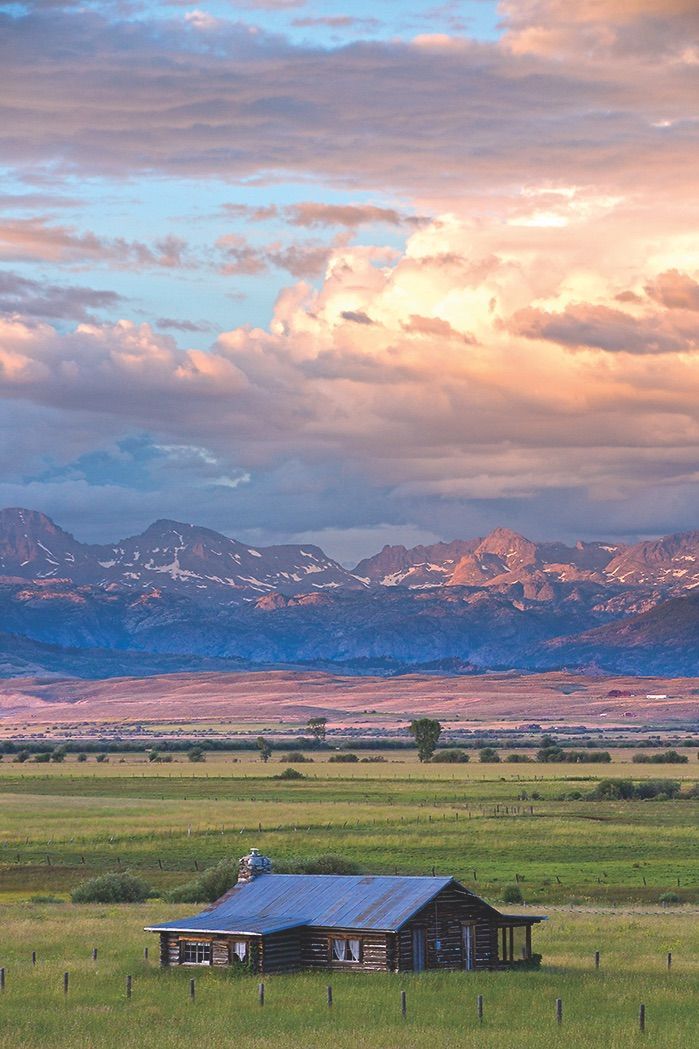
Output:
(469, 946)
(418, 950)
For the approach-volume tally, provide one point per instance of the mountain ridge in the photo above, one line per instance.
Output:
(183, 592)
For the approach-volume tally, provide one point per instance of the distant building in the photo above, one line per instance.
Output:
(280, 922)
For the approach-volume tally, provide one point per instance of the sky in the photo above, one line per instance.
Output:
(351, 272)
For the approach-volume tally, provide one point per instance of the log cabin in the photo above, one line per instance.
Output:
(272, 923)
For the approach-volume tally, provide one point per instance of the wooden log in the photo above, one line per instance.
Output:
(642, 1018)
(559, 1010)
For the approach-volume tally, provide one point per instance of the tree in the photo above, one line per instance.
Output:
(196, 754)
(489, 755)
(316, 726)
(265, 748)
(426, 733)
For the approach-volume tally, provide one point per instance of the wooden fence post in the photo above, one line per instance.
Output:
(66, 978)
(403, 1004)
(642, 1018)
(128, 986)
(192, 989)
(596, 959)
(33, 957)
(669, 960)
(559, 1010)
(261, 993)
(330, 996)
(94, 954)
(145, 954)
(2, 978)
(479, 1007)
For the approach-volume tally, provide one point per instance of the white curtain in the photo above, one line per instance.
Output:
(340, 950)
(354, 950)
(241, 949)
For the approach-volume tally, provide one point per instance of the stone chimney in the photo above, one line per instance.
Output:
(252, 865)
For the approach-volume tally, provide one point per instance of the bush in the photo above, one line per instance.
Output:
(343, 757)
(212, 884)
(328, 863)
(290, 774)
(196, 754)
(517, 759)
(82, 757)
(489, 755)
(512, 894)
(295, 757)
(451, 756)
(120, 887)
(42, 759)
(669, 898)
(102, 757)
(625, 790)
(665, 757)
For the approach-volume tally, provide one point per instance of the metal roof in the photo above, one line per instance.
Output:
(273, 902)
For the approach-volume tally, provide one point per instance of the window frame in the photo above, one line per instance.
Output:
(197, 946)
(348, 958)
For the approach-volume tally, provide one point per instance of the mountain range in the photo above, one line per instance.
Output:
(179, 596)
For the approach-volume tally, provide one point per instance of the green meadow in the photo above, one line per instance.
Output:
(598, 869)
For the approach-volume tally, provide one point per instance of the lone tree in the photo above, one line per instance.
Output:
(316, 726)
(426, 733)
(265, 748)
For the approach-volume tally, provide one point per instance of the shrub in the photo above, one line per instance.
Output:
(612, 790)
(669, 898)
(517, 759)
(119, 887)
(58, 754)
(102, 757)
(290, 774)
(212, 884)
(512, 894)
(451, 756)
(489, 755)
(657, 788)
(82, 757)
(22, 756)
(343, 757)
(664, 757)
(42, 759)
(196, 754)
(295, 757)
(327, 863)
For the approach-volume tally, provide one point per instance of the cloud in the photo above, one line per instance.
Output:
(675, 290)
(600, 327)
(33, 298)
(183, 325)
(35, 239)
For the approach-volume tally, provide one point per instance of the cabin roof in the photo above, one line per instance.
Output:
(273, 902)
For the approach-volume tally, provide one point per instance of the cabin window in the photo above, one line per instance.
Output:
(240, 949)
(347, 950)
(195, 952)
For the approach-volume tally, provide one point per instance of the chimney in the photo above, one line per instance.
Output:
(252, 865)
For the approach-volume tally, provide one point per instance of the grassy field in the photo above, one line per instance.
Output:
(485, 824)
(597, 868)
(600, 1008)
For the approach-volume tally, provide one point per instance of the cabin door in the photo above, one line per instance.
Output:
(469, 945)
(418, 950)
